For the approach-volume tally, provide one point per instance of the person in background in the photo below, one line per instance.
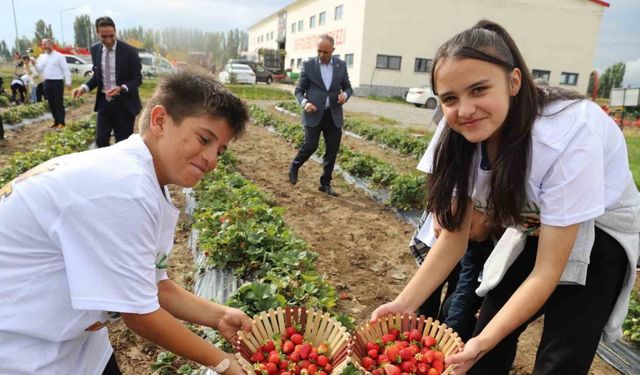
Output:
(322, 89)
(85, 240)
(18, 87)
(53, 67)
(117, 75)
(552, 170)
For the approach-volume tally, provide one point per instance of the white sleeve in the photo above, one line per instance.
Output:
(426, 162)
(109, 250)
(572, 190)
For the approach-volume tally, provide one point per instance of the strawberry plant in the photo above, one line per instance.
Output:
(631, 325)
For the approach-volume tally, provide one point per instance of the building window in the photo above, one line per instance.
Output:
(293, 28)
(569, 78)
(338, 13)
(388, 62)
(298, 62)
(322, 18)
(271, 35)
(300, 25)
(293, 61)
(541, 74)
(312, 22)
(348, 59)
(422, 65)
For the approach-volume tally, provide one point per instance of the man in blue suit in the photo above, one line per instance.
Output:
(117, 75)
(322, 89)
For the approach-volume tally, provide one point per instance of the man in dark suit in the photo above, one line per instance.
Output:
(117, 75)
(322, 89)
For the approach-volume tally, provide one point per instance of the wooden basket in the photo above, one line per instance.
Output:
(316, 328)
(448, 342)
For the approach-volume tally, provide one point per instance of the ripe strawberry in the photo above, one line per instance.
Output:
(438, 365)
(257, 357)
(390, 370)
(284, 365)
(367, 363)
(313, 369)
(438, 356)
(304, 364)
(271, 368)
(387, 338)
(322, 361)
(372, 345)
(313, 357)
(415, 335)
(395, 332)
(269, 346)
(287, 347)
(408, 367)
(378, 371)
(305, 350)
(383, 359)
(322, 373)
(285, 373)
(290, 331)
(328, 368)
(422, 369)
(297, 339)
(394, 354)
(274, 357)
(405, 354)
(323, 348)
(373, 353)
(428, 341)
(433, 371)
(294, 357)
(427, 355)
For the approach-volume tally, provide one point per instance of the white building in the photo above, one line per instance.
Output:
(389, 45)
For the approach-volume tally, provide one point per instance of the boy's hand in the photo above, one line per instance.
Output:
(234, 368)
(231, 322)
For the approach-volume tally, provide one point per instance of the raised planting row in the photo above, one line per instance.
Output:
(16, 114)
(400, 140)
(240, 228)
(77, 136)
(406, 191)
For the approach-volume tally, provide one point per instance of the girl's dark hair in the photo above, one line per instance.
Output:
(454, 155)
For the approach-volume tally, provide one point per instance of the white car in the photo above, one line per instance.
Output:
(154, 65)
(79, 66)
(243, 74)
(422, 97)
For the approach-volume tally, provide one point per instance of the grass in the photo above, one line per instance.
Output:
(259, 92)
(633, 148)
(388, 99)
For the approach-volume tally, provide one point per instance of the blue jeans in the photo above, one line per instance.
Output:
(461, 307)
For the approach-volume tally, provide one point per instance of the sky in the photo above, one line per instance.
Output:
(617, 41)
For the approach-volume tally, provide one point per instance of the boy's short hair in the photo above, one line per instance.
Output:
(194, 94)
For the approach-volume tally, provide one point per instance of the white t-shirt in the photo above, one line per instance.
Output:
(578, 167)
(80, 236)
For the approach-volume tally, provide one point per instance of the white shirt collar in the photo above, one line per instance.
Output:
(330, 61)
(115, 44)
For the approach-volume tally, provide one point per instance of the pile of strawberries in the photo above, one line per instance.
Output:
(403, 353)
(290, 354)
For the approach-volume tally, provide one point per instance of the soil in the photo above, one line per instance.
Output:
(362, 244)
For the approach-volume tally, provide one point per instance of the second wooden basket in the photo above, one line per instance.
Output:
(316, 328)
(448, 341)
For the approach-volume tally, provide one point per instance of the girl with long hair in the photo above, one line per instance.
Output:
(551, 169)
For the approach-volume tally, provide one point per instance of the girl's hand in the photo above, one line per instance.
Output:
(232, 321)
(388, 308)
(472, 352)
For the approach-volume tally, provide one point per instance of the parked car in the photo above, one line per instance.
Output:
(262, 74)
(243, 74)
(422, 97)
(79, 66)
(154, 65)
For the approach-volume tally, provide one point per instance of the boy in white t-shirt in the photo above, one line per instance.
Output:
(84, 239)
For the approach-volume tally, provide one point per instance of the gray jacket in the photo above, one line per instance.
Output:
(311, 87)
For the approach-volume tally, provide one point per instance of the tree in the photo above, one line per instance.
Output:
(594, 85)
(5, 54)
(83, 31)
(617, 75)
(611, 78)
(22, 44)
(42, 31)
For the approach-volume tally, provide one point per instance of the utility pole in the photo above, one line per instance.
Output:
(15, 23)
(61, 25)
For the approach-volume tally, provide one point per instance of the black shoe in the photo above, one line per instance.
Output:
(327, 189)
(293, 174)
